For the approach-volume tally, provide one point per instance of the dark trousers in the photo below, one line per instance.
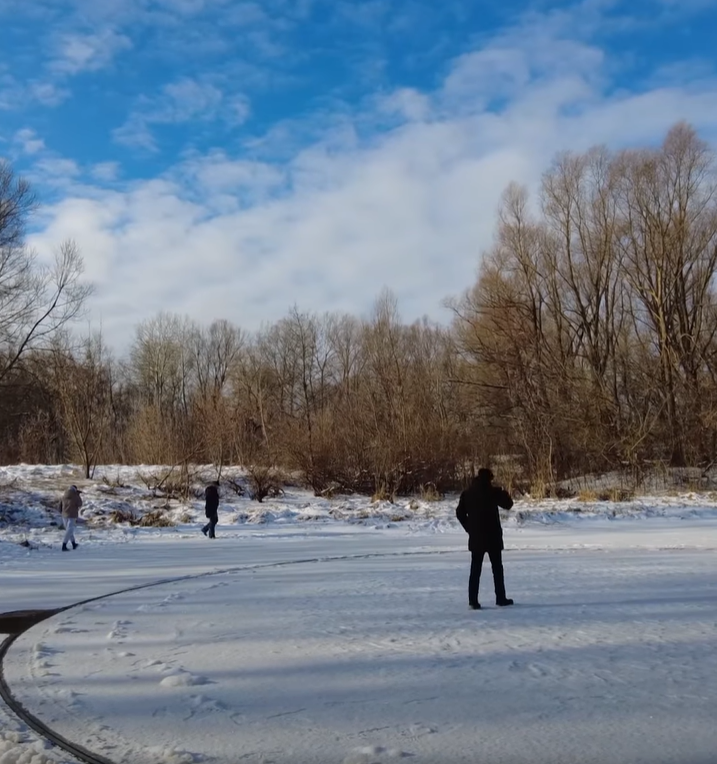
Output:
(210, 526)
(496, 561)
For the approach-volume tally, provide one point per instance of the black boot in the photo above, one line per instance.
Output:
(474, 605)
(204, 530)
(504, 602)
(75, 545)
(64, 548)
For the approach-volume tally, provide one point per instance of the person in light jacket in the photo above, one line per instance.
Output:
(71, 503)
(478, 513)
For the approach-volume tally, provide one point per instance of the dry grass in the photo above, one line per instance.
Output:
(383, 493)
(114, 482)
(429, 492)
(616, 494)
(173, 483)
(155, 519)
(587, 495)
(121, 516)
(539, 489)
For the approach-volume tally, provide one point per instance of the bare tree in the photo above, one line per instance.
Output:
(668, 198)
(164, 373)
(17, 201)
(36, 301)
(84, 388)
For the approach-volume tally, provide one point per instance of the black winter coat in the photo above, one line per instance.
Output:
(477, 512)
(211, 495)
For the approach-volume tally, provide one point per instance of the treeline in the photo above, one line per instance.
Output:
(588, 343)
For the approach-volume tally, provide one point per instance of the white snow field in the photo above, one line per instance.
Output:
(334, 632)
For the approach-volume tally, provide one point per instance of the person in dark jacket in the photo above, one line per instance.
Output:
(477, 512)
(211, 509)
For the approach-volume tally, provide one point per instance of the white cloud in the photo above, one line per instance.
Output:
(15, 95)
(48, 93)
(88, 52)
(55, 172)
(486, 73)
(520, 60)
(105, 171)
(29, 141)
(238, 110)
(411, 207)
(185, 100)
(408, 103)
(217, 173)
(135, 133)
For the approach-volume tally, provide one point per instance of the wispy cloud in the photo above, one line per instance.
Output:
(16, 95)
(105, 172)
(182, 101)
(88, 52)
(28, 141)
(407, 103)
(48, 93)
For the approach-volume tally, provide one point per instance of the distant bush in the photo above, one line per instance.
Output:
(587, 494)
(236, 486)
(122, 516)
(383, 493)
(114, 482)
(616, 494)
(155, 519)
(173, 483)
(429, 492)
(264, 482)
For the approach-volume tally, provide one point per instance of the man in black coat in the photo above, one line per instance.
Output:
(477, 512)
(211, 509)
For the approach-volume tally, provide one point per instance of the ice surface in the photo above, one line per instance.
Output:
(365, 651)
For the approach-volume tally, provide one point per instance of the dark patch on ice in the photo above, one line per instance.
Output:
(17, 621)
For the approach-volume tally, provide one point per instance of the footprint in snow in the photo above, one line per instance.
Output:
(419, 730)
(70, 698)
(374, 754)
(203, 703)
(171, 755)
(182, 678)
(173, 598)
(155, 662)
(41, 650)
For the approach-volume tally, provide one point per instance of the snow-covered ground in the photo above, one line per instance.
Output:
(337, 630)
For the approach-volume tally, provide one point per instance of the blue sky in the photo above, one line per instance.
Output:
(227, 159)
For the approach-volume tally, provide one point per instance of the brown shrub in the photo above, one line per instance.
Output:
(383, 493)
(155, 519)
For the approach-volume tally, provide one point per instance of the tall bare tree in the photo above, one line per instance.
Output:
(84, 388)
